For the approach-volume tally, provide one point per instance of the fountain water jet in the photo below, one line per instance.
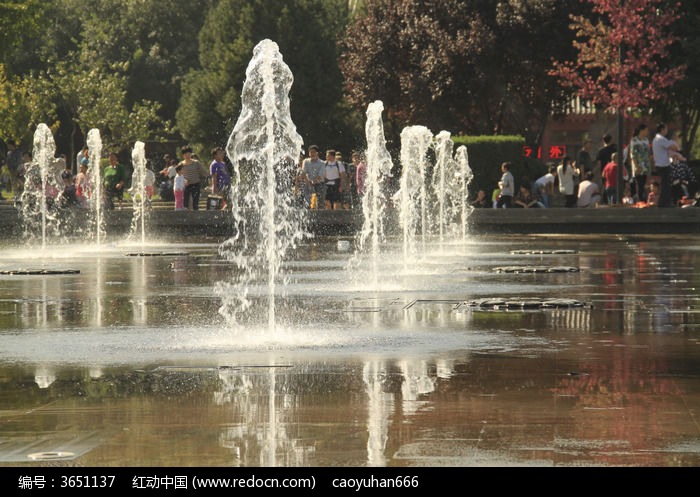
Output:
(138, 189)
(412, 196)
(94, 143)
(379, 165)
(443, 176)
(465, 175)
(263, 148)
(41, 185)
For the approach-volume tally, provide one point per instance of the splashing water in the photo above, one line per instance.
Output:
(263, 148)
(443, 181)
(412, 196)
(138, 191)
(41, 188)
(94, 143)
(465, 176)
(374, 199)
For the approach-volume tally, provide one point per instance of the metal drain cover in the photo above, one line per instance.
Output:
(51, 456)
(536, 269)
(497, 304)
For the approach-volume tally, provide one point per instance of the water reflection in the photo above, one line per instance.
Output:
(127, 363)
(44, 376)
(380, 406)
(263, 436)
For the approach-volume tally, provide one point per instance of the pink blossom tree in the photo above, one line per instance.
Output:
(623, 53)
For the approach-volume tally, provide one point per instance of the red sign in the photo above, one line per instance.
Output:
(531, 152)
(557, 151)
(554, 152)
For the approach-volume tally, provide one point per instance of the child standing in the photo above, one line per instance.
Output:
(179, 189)
(653, 195)
(82, 184)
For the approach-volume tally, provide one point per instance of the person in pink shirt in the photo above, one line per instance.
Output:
(360, 173)
(179, 186)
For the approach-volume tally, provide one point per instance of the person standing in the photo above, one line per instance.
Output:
(83, 154)
(179, 185)
(566, 173)
(507, 187)
(360, 176)
(584, 158)
(82, 183)
(313, 170)
(640, 160)
(662, 147)
(610, 178)
(194, 174)
(349, 188)
(602, 158)
(334, 175)
(165, 189)
(220, 178)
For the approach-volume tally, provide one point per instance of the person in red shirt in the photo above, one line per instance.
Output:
(610, 178)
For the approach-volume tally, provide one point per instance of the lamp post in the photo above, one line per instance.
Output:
(619, 190)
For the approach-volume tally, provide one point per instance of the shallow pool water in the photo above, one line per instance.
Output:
(128, 361)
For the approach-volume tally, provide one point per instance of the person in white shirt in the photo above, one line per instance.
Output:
(566, 172)
(83, 154)
(507, 186)
(588, 192)
(662, 148)
(544, 186)
(334, 175)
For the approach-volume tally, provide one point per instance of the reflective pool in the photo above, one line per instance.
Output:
(499, 351)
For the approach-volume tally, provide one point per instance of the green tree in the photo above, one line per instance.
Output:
(155, 43)
(95, 98)
(24, 103)
(306, 32)
(141, 48)
(20, 20)
(682, 101)
(529, 96)
(454, 65)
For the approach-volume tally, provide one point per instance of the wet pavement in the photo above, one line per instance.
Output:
(500, 351)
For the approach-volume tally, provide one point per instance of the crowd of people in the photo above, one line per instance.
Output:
(330, 183)
(655, 173)
(317, 184)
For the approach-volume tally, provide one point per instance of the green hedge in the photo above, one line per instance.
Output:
(487, 153)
